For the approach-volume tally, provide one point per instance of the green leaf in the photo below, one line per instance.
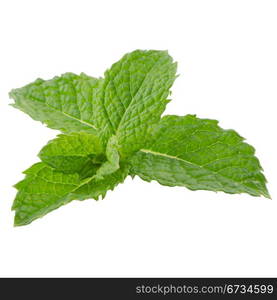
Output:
(45, 189)
(114, 122)
(71, 152)
(198, 154)
(113, 158)
(65, 103)
(76, 152)
(133, 96)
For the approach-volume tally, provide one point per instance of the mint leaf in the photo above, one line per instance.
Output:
(65, 103)
(112, 127)
(198, 154)
(113, 158)
(70, 152)
(133, 96)
(45, 189)
(73, 167)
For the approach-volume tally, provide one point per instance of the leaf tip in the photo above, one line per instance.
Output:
(267, 195)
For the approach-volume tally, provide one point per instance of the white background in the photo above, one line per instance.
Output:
(227, 55)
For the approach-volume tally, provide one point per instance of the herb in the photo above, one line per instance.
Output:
(112, 127)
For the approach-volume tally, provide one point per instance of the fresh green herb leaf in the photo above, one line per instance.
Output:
(45, 189)
(113, 158)
(198, 154)
(65, 103)
(69, 153)
(133, 96)
(112, 127)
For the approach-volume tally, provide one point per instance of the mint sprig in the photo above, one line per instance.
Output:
(112, 127)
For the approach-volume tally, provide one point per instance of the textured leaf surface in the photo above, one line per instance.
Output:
(45, 189)
(198, 154)
(71, 152)
(113, 122)
(113, 158)
(133, 96)
(64, 103)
